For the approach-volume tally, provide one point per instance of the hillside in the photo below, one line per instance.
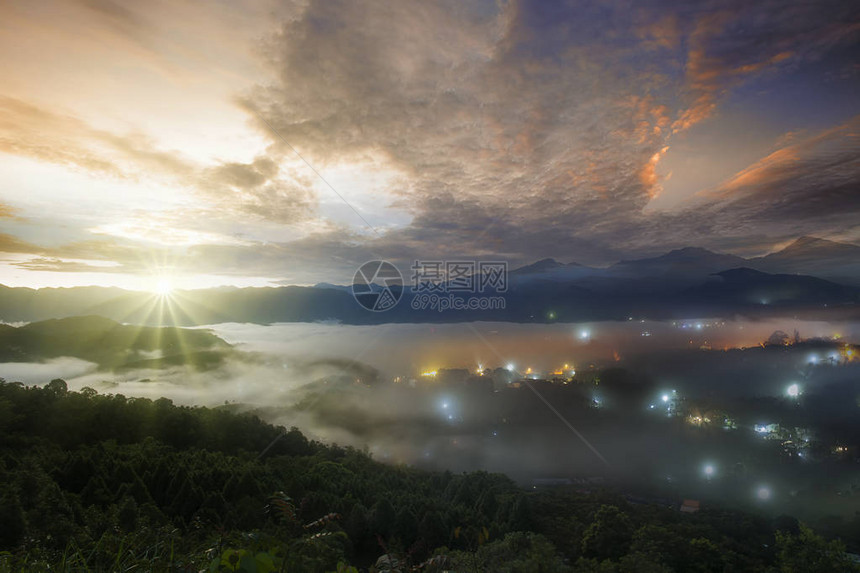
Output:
(110, 344)
(93, 482)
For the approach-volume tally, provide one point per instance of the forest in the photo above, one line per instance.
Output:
(102, 482)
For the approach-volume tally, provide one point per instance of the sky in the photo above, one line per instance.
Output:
(261, 143)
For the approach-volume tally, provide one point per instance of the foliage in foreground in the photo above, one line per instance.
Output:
(108, 483)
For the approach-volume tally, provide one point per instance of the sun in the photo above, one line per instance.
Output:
(163, 287)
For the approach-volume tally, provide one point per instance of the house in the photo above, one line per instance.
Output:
(690, 506)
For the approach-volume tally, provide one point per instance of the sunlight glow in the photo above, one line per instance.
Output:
(163, 287)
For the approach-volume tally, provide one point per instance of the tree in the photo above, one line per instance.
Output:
(609, 535)
(406, 526)
(57, 387)
(432, 530)
(383, 516)
(811, 553)
(12, 525)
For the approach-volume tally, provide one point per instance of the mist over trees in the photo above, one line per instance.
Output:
(105, 482)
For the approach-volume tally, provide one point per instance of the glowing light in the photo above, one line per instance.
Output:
(430, 374)
(793, 390)
(763, 493)
(510, 366)
(445, 405)
(709, 470)
(665, 397)
(163, 287)
(584, 334)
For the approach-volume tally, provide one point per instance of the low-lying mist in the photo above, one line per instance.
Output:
(628, 417)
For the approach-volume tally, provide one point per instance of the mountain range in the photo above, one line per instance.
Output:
(808, 276)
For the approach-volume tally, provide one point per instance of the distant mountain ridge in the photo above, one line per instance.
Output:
(831, 260)
(682, 282)
(818, 257)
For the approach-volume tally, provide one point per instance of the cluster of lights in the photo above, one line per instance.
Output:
(698, 420)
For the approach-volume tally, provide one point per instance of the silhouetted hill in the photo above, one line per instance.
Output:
(109, 344)
(26, 304)
(744, 286)
(540, 266)
(689, 261)
(675, 283)
(831, 260)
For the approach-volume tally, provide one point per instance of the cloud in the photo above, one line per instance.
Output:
(518, 130)
(731, 42)
(31, 131)
(257, 189)
(6, 211)
(60, 265)
(806, 186)
(12, 244)
(521, 127)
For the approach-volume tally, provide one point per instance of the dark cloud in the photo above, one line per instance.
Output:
(537, 128)
(518, 130)
(808, 186)
(261, 190)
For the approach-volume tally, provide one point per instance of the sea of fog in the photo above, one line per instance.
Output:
(284, 357)
(335, 382)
